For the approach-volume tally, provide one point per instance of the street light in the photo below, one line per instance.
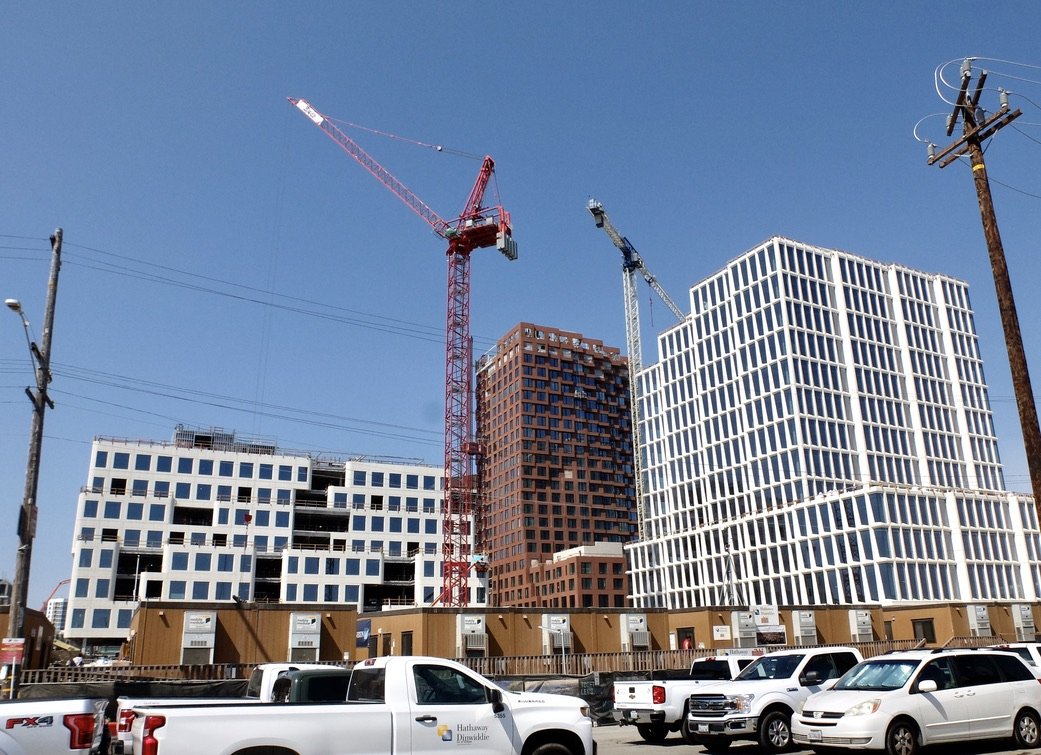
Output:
(563, 645)
(41, 359)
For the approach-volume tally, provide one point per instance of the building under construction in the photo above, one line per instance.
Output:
(557, 496)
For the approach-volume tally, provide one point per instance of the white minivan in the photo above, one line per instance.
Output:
(903, 701)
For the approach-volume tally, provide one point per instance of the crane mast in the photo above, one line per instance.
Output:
(631, 263)
(476, 227)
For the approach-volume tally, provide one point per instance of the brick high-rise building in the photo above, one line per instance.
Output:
(556, 470)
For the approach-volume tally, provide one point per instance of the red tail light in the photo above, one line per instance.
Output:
(126, 720)
(658, 695)
(81, 730)
(149, 744)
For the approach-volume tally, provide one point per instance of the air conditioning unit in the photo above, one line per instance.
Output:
(979, 622)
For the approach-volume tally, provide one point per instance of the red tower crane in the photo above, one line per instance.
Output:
(475, 228)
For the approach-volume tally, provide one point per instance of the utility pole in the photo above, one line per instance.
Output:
(41, 357)
(977, 127)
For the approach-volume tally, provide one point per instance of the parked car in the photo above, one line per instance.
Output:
(1028, 651)
(903, 701)
(759, 702)
(659, 706)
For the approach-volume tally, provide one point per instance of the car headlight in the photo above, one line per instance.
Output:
(740, 703)
(584, 711)
(863, 709)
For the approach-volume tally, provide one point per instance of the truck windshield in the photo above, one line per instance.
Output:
(771, 667)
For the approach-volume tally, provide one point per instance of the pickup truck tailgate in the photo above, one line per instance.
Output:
(634, 693)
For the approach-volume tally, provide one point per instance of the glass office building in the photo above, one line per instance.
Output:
(819, 430)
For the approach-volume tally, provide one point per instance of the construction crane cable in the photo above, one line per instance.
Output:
(388, 135)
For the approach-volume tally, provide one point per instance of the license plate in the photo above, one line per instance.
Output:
(702, 727)
(815, 735)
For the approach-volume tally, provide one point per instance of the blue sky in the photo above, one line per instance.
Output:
(227, 265)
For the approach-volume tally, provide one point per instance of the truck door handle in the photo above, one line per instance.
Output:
(427, 719)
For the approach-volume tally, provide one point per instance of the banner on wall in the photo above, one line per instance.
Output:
(362, 632)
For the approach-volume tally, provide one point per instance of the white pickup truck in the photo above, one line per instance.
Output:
(396, 705)
(51, 726)
(758, 703)
(659, 706)
(259, 689)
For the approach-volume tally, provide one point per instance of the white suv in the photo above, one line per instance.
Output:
(902, 701)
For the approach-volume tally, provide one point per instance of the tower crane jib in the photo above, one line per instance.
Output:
(477, 227)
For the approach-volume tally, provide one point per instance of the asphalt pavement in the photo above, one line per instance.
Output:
(620, 740)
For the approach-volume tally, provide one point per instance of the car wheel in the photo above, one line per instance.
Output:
(775, 731)
(1027, 729)
(652, 732)
(902, 739)
(688, 736)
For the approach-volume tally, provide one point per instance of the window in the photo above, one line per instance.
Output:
(332, 593)
(179, 561)
(105, 558)
(101, 618)
(359, 477)
(246, 470)
(78, 615)
(428, 482)
(112, 509)
(225, 562)
(310, 592)
(200, 590)
(225, 469)
(157, 512)
(377, 479)
(177, 589)
(121, 461)
(285, 472)
(184, 465)
(206, 467)
(310, 565)
(266, 471)
(100, 461)
(90, 508)
(142, 462)
(163, 463)
(202, 561)
(439, 685)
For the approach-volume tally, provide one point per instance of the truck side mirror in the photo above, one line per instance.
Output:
(495, 698)
(810, 678)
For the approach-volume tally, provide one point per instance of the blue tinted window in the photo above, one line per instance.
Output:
(179, 562)
(428, 482)
(78, 615)
(266, 470)
(182, 490)
(202, 561)
(82, 585)
(428, 568)
(206, 467)
(412, 481)
(226, 468)
(224, 492)
(90, 508)
(222, 516)
(121, 460)
(142, 462)
(301, 474)
(162, 488)
(101, 618)
(163, 463)
(86, 554)
(290, 593)
(281, 518)
(132, 538)
(359, 477)
(332, 593)
(245, 563)
(413, 525)
(101, 459)
(284, 496)
(350, 593)
(222, 591)
(177, 589)
(246, 469)
(203, 492)
(184, 465)
(377, 524)
(372, 567)
(430, 526)
(105, 558)
(292, 565)
(358, 523)
(123, 616)
(352, 566)
(285, 472)
(395, 479)
(200, 590)
(225, 562)
(135, 511)
(101, 589)
(263, 518)
(139, 488)
(377, 479)
(310, 592)
(112, 509)
(310, 565)
(395, 524)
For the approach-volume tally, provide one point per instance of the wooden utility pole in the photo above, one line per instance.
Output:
(977, 127)
(41, 357)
